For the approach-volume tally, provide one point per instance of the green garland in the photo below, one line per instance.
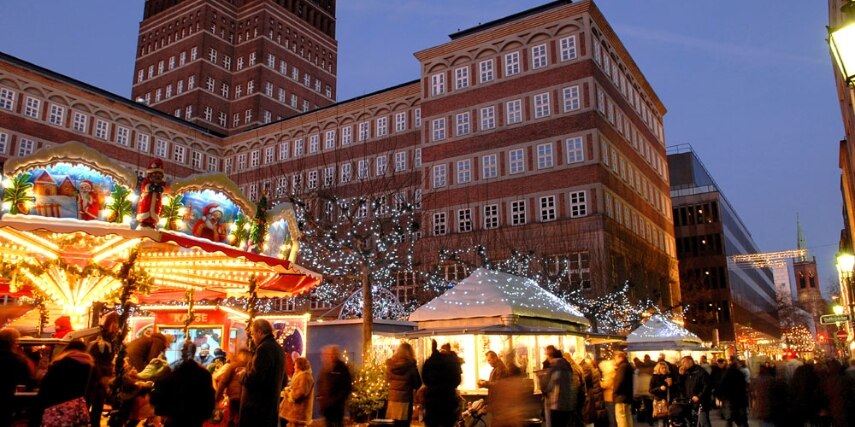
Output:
(259, 226)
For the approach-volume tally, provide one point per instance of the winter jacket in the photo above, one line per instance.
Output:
(334, 387)
(623, 392)
(301, 398)
(557, 385)
(67, 378)
(733, 387)
(657, 381)
(696, 382)
(143, 349)
(441, 374)
(403, 377)
(185, 396)
(595, 405)
(262, 383)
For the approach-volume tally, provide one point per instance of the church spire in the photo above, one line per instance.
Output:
(800, 236)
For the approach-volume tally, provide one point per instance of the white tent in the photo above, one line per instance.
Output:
(488, 298)
(659, 333)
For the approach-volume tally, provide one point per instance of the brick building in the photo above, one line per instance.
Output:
(536, 132)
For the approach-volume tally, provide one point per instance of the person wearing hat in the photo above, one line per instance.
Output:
(210, 225)
(88, 201)
(152, 188)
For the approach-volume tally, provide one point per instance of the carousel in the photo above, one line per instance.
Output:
(77, 228)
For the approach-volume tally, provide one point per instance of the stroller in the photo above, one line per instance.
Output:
(681, 413)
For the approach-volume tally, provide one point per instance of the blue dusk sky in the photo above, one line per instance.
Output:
(748, 84)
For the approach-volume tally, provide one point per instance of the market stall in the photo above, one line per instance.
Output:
(658, 335)
(496, 311)
(77, 228)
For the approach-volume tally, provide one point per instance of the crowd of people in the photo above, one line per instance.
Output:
(251, 388)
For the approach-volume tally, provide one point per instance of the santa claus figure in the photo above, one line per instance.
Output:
(210, 225)
(88, 201)
(152, 188)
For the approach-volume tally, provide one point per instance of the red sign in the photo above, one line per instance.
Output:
(842, 335)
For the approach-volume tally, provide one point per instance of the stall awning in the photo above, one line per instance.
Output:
(659, 333)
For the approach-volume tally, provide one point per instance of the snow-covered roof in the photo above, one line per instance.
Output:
(659, 330)
(487, 293)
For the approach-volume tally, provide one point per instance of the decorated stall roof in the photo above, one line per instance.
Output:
(71, 217)
(491, 294)
(659, 333)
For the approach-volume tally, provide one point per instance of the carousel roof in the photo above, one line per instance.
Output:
(487, 293)
(660, 333)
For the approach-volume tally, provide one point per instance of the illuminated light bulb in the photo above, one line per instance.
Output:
(133, 197)
(109, 200)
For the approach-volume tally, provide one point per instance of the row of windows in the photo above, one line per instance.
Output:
(615, 116)
(702, 213)
(613, 68)
(703, 278)
(623, 213)
(81, 122)
(511, 64)
(169, 33)
(25, 145)
(168, 65)
(709, 244)
(623, 168)
(511, 112)
(516, 213)
(328, 140)
(515, 163)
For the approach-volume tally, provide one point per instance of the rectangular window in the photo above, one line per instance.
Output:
(196, 159)
(102, 129)
(400, 161)
(140, 75)
(57, 115)
(25, 147)
(227, 62)
(544, 156)
(440, 228)
(488, 118)
(382, 126)
(179, 87)
(312, 180)
(364, 131)
(440, 176)
(538, 56)
(362, 171)
(516, 161)
(463, 125)
(400, 122)
(250, 87)
(346, 172)
(4, 142)
(437, 84)
(268, 117)
(281, 186)
(269, 154)
(329, 176)
(568, 48)
(227, 167)
(512, 64)
(575, 150)
(417, 117)
(329, 140)
(346, 135)
(541, 105)
(79, 122)
(486, 71)
(247, 116)
(254, 159)
(207, 113)
(296, 183)
(298, 147)
(518, 215)
(464, 220)
(461, 78)
(271, 60)
(464, 171)
(122, 135)
(191, 82)
(212, 55)
(32, 107)
(314, 143)
(489, 166)
(241, 163)
(547, 208)
(417, 158)
(514, 111)
(284, 151)
(252, 58)
(571, 98)
(491, 216)
(268, 89)
(578, 204)
(143, 142)
(381, 165)
(438, 129)
(7, 99)
(178, 154)
(182, 58)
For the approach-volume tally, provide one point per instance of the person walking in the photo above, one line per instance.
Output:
(733, 393)
(441, 374)
(623, 390)
(230, 383)
(607, 383)
(661, 383)
(594, 413)
(262, 380)
(184, 396)
(299, 396)
(556, 383)
(101, 350)
(16, 372)
(695, 386)
(403, 377)
(334, 386)
(61, 398)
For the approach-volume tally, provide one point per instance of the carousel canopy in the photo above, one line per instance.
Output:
(659, 333)
(487, 293)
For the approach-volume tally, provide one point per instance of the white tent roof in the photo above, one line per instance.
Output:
(659, 330)
(487, 293)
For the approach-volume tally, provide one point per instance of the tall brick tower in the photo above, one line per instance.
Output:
(230, 65)
(807, 280)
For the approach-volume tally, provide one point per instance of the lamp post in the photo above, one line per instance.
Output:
(841, 40)
(845, 263)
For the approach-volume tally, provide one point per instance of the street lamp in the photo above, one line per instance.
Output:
(841, 40)
(845, 263)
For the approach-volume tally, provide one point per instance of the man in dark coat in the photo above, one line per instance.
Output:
(16, 371)
(145, 348)
(623, 390)
(184, 396)
(402, 373)
(733, 392)
(263, 378)
(441, 375)
(334, 386)
(695, 385)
